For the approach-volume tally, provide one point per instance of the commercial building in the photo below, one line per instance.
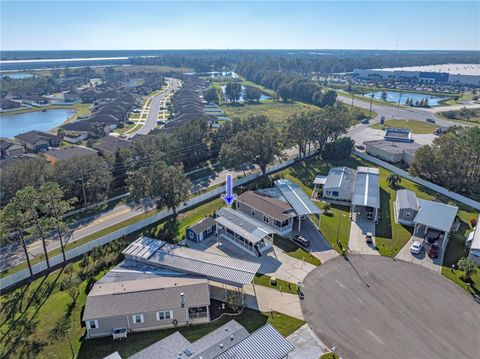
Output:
(390, 151)
(462, 74)
(398, 134)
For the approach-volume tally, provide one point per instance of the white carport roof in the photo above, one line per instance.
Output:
(298, 199)
(367, 188)
(436, 215)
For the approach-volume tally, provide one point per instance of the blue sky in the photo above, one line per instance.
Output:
(62, 25)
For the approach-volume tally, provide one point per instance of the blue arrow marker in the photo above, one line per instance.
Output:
(229, 197)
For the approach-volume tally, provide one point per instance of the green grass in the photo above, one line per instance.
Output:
(295, 251)
(31, 316)
(329, 356)
(416, 127)
(274, 110)
(283, 286)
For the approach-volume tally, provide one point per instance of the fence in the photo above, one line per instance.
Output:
(84, 248)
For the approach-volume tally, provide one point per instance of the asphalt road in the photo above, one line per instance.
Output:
(373, 307)
(157, 101)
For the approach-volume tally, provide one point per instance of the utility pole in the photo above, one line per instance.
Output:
(371, 102)
(399, 99)
(353, 98)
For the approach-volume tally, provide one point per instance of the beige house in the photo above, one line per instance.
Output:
(151, 303)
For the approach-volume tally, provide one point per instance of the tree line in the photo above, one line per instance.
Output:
(452, 161)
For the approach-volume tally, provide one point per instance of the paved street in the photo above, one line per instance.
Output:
(377, 308)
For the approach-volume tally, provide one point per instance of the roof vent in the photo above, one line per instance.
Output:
(221, 345)
(231, 337)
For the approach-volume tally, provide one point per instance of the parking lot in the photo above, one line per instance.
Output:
(378, 308)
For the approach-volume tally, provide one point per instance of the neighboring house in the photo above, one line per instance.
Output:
(392, 152)
(201, 230)
(243, 232)
(339, 184)
(146, 304)
(473, 243)
(59, 154)
(424, 214)
(6, 104)
(10, 149)
(229, 341)
(37, 141)
(271, 212)
(108, 145)
(406, 207)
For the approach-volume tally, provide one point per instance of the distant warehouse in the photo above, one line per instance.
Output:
(462, 74)
(393, 152)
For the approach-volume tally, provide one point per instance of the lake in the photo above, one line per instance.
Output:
(17, 75)
(12, 125)
(263, 96)
(394, 96)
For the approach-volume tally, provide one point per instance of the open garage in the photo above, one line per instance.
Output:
(375, 307)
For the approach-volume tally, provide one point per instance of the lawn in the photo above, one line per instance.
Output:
(416, 127)
(295, 251)
(37, 319)
(281, 285)
(274, 110)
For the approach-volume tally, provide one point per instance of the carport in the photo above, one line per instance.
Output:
(298, 199)
(366, 192)
(436, 216)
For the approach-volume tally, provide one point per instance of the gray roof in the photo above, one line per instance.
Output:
(271, 206)
(114, 355)
(340, 177)
(243, 225)
(393, 147)
(230, 341)
(264, 343)
(298, 199)
(215, 267)
(203, 225)
(436, 215)
(367, 188)
(65, 153)
(144, 296)
(407, 199)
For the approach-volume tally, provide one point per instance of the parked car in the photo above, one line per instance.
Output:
(433, 251)
(416, 247)
(370, 216)
(431, 120)
(364, 121)
(432, 236)
(360, 147)
(369, 237)
(304, 242)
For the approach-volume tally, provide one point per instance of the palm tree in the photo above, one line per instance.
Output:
(393, 180)
(468, 267)
(326, 207)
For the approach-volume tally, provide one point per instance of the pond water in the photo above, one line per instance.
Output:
(263, 96)
(17, 75)
(12, 125)
(394, 96)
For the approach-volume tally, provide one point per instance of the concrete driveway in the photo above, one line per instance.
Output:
(359, 228)
(276, 264)
(306, 343)
(319, 246)
(422, 258)
(377, 308)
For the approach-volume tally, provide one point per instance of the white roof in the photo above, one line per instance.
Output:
(367, 187)
(436, 215)
(320, 180)
(298, 199)
(453, 69)
(476, 236)
(143, 247)
(340, 177)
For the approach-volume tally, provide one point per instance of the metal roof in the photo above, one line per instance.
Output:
(407, 199)
(320, 180)
(265, 343)
(243, 225)
(298, 199)
(436, 215)
(215, 267)
(367, 187)
(476, 236)
(143, 247)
